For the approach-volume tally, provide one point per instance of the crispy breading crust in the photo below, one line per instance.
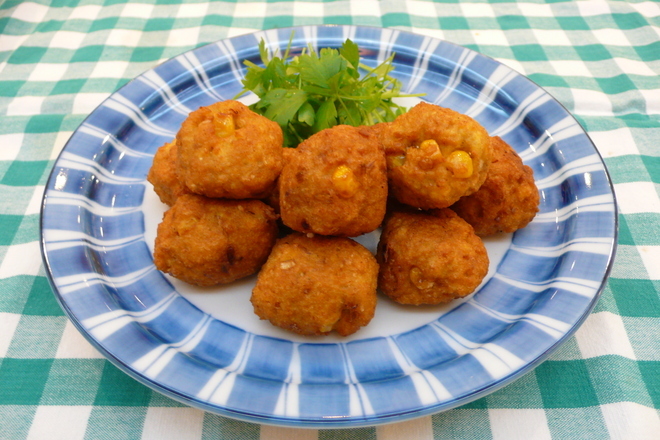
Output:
(162, 174)
(429, 258)
(228, 151)
(316, 197)
(507, 201)
(205, 241)
(314, 285)
(423, 177)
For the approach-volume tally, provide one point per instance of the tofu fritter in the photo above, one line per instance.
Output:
(228, 151)
(429, 258)
(335, 183)
(314, 285)
(162, 174)
(507, 201)
(205, 241)
(434, 156)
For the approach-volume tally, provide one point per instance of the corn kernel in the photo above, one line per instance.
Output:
(398, 161)
(223, 124)
(344, 181)
(430, 147)
(431, 155)
(418, 280)
(460, 163)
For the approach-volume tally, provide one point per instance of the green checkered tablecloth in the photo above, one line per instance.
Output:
(601, 59)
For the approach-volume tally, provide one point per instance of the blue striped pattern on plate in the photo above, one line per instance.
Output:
(93, 239)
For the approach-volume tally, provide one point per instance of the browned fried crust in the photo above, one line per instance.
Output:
(162, 174)
(427, 181)
(508, 200)
(429, 258)
(314, 285)
(206, 241)
(309, 198)
(241, 164)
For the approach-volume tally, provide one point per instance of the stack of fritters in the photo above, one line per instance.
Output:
(440, 161)
(445, 177)
(223, 150)
(316, 280)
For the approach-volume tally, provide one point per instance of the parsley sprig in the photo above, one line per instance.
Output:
(307, 93)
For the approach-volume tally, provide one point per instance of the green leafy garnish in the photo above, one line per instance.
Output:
(314, 91)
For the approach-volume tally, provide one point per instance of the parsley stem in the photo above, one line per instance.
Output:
(348, 113)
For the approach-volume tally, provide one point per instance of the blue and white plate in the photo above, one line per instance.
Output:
(205, 347)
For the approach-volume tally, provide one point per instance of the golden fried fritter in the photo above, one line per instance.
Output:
(429, 258)
(162, 174)
(226, 150)
(314, 285)
(335, 183)
(507, 201)
(434, 156)
(205, 241)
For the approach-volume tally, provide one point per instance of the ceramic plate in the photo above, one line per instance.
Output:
(205, 347)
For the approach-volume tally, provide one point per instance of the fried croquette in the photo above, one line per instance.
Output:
(162, 174)
(205, 241)
(429, 258)
(507, 201)
(314, 285)
(226, 150)
(335, 183)
(434, 156)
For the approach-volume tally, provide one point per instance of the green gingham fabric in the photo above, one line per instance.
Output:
(601, 59)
